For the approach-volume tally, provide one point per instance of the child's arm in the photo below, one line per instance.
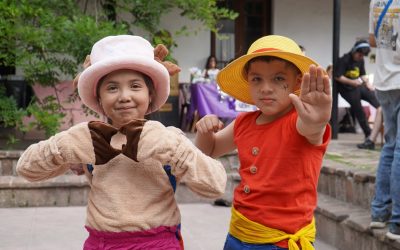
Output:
(314, 105)
(351, 82)
(83, 143)
(211, 139)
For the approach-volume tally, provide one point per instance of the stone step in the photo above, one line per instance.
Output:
(353, 185)
(346, 226)
(72, 190)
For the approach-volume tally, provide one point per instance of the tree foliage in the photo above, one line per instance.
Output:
(48, 40)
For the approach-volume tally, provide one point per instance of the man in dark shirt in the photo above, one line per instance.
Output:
(354, 86)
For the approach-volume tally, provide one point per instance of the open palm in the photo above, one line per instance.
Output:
(315, 101)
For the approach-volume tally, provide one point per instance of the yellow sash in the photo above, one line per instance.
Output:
(252, 232)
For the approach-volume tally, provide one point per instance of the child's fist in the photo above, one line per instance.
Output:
(209, 123)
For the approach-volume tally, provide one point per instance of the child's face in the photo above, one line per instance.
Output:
(270, 86)
(124, 95)
(358, 56)
(212, 64)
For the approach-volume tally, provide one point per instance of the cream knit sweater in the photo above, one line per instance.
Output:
(127, 195)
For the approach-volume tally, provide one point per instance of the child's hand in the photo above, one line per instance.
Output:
(315, 101)
(77, 169)
(209, 123)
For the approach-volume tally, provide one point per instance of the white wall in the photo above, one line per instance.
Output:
(192, 50)
(310, 23)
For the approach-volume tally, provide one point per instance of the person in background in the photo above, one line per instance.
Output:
(376, 129)
(384, 28)
(288, 134)
(210, 70)
(132, 164)
(354, 86)
(378, 122)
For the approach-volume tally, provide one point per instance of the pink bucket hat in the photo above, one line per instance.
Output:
(123, 52)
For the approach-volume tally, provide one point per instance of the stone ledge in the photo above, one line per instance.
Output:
(357, 174)
(354, 186)
(347, 226)
(15, 154)
(12, 182)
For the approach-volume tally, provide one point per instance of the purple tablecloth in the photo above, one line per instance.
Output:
(206, 100)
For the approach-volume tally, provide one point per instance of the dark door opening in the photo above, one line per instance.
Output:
(253, 22)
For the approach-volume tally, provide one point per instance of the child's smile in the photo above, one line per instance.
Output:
(124, 96)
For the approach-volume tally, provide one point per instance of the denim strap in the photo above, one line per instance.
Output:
(378, 24)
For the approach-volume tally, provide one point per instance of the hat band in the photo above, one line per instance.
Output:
(265, 50)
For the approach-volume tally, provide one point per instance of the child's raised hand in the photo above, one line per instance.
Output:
(209, 123)
(315, 101)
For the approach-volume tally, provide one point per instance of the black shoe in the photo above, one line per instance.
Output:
(367, 144)
(222, 202)
(394, 231)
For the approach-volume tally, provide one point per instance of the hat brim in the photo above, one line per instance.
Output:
(88, 80)
(233, 81)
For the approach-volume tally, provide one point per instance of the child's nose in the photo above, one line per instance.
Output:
(266, 87)
(124, 95)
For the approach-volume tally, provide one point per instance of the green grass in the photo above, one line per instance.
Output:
(339, 158)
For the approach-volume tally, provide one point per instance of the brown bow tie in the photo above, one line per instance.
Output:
(101, 134)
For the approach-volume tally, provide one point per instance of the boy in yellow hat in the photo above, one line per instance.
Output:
(280, 146)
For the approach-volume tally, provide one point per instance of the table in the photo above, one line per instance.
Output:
(205, 99)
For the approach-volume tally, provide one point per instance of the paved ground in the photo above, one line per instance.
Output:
(61, 228)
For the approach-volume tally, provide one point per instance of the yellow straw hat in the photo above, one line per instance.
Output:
(233, 80)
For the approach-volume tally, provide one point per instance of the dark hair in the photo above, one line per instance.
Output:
(269, 59)
(361, 46)
(207, 66)
(209, 60)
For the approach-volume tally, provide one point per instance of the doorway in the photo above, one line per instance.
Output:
(253, 22)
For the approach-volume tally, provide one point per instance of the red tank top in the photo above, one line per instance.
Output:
(279, 172)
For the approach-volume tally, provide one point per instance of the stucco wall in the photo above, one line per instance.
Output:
(192, 50)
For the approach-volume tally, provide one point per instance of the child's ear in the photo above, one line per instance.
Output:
(299, 79)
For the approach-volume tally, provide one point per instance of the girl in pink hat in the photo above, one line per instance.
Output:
(280, 146)
(132, 164)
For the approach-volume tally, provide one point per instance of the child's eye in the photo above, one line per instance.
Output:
(279, 79)
(112, 88)
(136, 86)
(255, 79)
